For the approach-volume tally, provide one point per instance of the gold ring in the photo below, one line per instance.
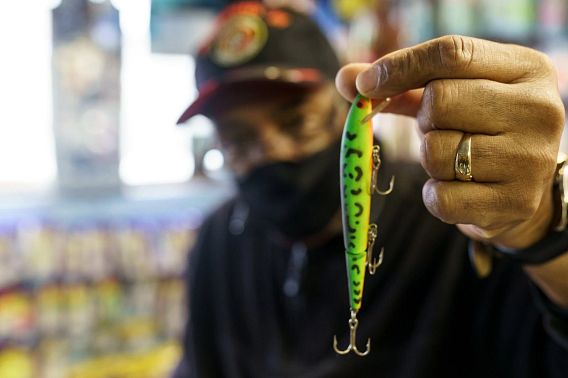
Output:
(462, 164)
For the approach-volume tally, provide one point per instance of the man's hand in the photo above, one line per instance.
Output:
(507, 97)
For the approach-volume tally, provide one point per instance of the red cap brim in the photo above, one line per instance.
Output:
(200, 103)
(238, 83)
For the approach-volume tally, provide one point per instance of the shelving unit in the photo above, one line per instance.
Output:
(95, 287)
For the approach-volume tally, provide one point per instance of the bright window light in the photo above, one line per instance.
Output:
(27, 154)
(213, 160)
(156, 88)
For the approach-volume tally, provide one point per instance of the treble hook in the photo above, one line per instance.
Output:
(373, 264)
(353, 323)
(375, 173)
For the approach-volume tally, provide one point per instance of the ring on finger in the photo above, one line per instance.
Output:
(462, 165)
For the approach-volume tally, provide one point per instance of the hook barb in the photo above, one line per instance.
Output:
(373, 263)
(375, 173)
(352, 347)
(389, 190)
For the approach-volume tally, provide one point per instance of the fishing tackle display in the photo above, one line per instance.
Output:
(359, 166)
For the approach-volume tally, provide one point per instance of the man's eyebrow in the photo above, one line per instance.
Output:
(234, 125)
(235, 133)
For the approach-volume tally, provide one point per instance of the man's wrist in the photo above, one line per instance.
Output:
(551, 246)
(555, 240)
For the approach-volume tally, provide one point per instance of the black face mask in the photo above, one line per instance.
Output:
(298, 198)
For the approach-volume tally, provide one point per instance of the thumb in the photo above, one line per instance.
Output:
(406, 103)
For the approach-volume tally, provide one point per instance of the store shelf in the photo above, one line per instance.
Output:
(94, 286)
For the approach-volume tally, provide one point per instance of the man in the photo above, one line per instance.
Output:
(267, 288)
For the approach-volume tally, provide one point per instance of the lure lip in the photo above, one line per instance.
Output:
(379, 108)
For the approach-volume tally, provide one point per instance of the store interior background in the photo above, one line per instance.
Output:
(101, 194)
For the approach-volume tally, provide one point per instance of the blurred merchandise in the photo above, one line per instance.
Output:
(86, 95)
(16, 363)
(349, 9)
(509, 20)
(148, 364)
(558, 53)
(93, 285)
(16, 316)
(178, 26)
(87, 297)
(553, 18)
(417, 21)
(458, 16)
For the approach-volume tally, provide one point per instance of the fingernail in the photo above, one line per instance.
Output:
(367, 81)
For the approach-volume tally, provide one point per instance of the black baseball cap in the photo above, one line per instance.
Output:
(256, 50)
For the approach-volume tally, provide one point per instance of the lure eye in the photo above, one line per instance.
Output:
(359, 104)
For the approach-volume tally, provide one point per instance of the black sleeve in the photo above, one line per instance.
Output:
(553, 350)
(555, 318)
(518, 331)
(199, 352)
(186, 367)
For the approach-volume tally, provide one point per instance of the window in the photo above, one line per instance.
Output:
(27, 154)
(156, 88)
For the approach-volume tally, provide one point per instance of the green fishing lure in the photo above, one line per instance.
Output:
(359, 166)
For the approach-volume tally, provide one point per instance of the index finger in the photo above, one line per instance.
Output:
(449, 57)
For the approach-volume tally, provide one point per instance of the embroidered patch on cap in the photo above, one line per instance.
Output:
(239, 40)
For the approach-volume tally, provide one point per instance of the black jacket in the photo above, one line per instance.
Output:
(258, 310)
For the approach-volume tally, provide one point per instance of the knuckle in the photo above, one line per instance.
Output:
(547, 160)
(553, 109)
(437, 105)
(455, 51)
(535, 64)
(541, 107)
(543, 61)
(540, 66)
(442, 91)
(430, 154)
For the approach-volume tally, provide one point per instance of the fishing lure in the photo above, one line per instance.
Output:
(359, 167)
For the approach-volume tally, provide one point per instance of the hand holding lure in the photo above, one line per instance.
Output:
(359, 167)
